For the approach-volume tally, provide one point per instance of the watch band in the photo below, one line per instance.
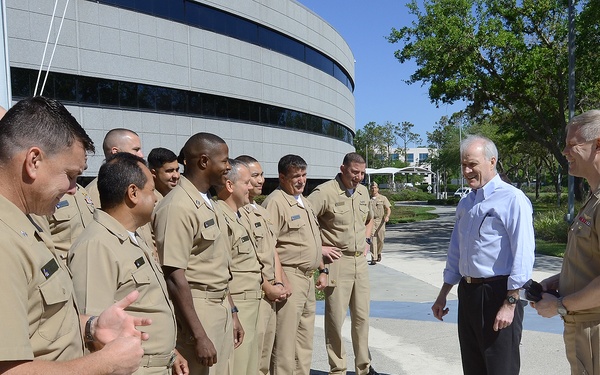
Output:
(88, 337)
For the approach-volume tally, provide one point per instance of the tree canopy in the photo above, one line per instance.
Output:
(507, 60)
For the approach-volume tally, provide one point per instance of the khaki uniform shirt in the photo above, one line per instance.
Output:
(342, 218)
(38, 315)
(378, 206)
(581, 263)
(73, 213)
(263, 237)
(92, 189)
(245, 267)
(107, 265)
(188, 237)
(296, 229)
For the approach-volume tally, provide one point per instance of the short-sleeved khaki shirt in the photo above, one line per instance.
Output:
(107, 265)
(245, 267)
(296, 229)
(92, 189)
(73, 213)
(38, 315)
(378, 206)
(342, 218)
(581, 263)
(188, 237)
(263, 236)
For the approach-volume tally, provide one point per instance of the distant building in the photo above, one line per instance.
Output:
(269, 77)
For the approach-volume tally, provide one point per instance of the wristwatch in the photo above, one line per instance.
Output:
(325, 271)
(560, 308)
(512, 300)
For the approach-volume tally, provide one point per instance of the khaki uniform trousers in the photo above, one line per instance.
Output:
(292, 352)
(352, 291)
(582, 344)
(245, 356)
(215, 316)
(265, 334)
(378, 238)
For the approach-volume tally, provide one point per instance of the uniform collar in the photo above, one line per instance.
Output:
(342, 190)
(192, 192)
(17, 221)
(112, 225)
(289, 198)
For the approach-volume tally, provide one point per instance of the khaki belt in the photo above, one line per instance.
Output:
(483, 280)
(298, 271)
(580, 318)
(251, 294)
(158, 360)
(355, 254)
(196, 293)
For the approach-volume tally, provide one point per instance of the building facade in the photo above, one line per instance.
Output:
(268, 76)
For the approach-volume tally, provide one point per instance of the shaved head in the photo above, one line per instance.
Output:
(201, 144)
(122, 140)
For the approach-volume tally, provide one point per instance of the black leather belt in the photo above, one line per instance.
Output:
(483, 280)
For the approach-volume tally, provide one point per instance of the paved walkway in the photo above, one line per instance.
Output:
(404, 336)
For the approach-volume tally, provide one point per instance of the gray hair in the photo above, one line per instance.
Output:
(588, 124)
(489, 148)
(234, 173)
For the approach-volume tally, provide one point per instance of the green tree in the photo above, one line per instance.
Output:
(374, 142)
(495, 54)
(407, 136)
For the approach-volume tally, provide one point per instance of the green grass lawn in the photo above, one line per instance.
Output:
(410, 214)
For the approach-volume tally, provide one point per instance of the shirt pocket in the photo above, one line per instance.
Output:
(142, 280)
(243, 245)
(55, 307)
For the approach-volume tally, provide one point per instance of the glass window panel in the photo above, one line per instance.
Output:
(20, 82)
(208, 105)
(163, 99)
(220, 107)
(128, 95)
(318, 60)
(176, 9)
(254, 112)
(87, 90)
(178, 101)
(146, 97)
(108, 92)
(244, 110)
(195, 103)
(65, 87)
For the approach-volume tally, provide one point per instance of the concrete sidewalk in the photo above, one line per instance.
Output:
(404, 336)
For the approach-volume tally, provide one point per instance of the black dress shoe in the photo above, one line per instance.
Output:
(372, 263)
(372, 371)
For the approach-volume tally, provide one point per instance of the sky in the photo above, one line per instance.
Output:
(380, 92)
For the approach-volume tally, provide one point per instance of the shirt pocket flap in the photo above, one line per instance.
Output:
(53, 293)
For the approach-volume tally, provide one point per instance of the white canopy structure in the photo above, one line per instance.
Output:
(393, 171)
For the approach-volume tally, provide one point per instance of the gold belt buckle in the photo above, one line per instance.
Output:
(468, 279)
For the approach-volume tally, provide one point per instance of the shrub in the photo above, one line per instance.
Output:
(551, 226)
(409, 195)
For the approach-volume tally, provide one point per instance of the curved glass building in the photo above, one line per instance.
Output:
(268, 76)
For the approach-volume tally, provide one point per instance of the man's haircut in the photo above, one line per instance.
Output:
(289, 162)
(247, 159)
(588, 123)
(120, 170)
(198, 144)
(489, 148)
(113, 139)
(353, 157)
(40, 122)
(159, 156)
(234, 173)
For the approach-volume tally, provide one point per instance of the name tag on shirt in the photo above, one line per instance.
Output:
(245, 239)
(257, 225)
(49, 268)
(62, 204)
(340, 204)
(139, 262)
(209, 223)
(295, 217)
